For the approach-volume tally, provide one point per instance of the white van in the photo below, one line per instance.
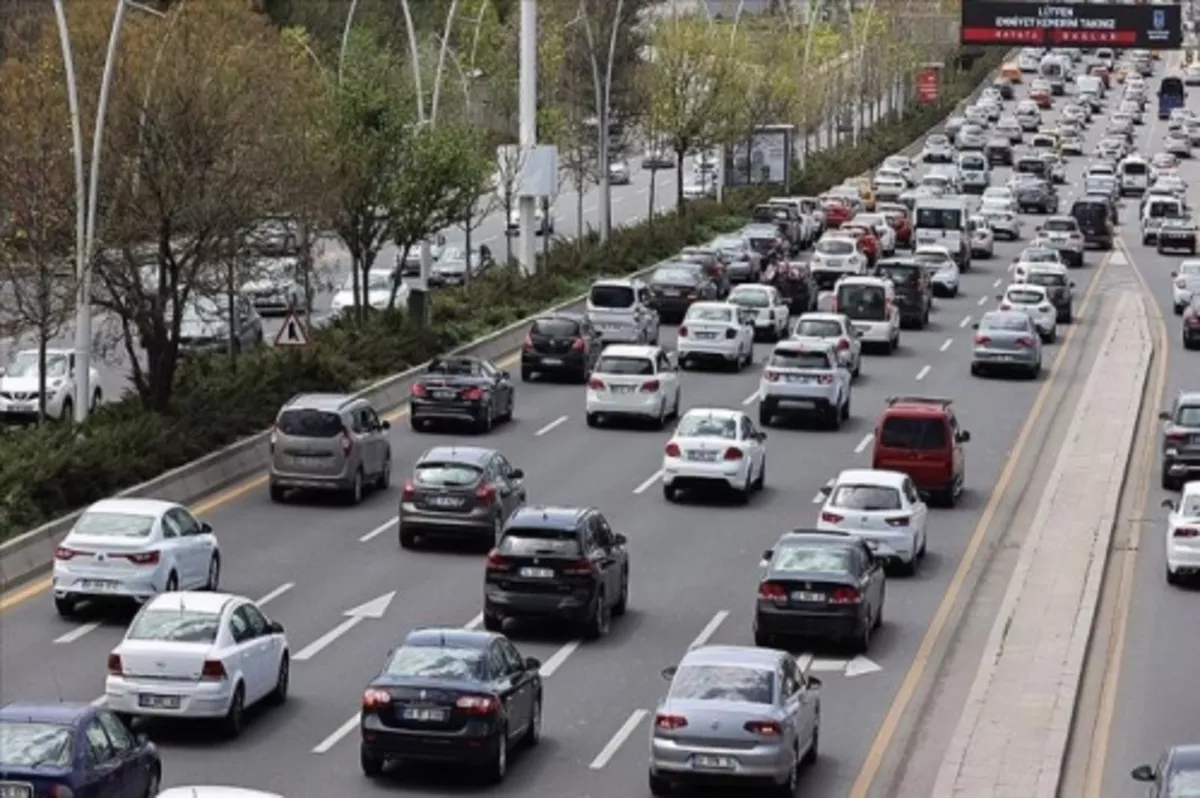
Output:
(1054, 69)
(942, 222)
(870, 304)
(1090, 84)
(1157, 208)
(1134, 176)
(619, 312)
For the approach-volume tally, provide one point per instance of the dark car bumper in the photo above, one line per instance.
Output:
(554, 362)
(1172, 242)
(473, 746)
(1181, 466)
(433, 410)
(1098, 240)
(573, 607)
(787, 622)
(671, 307)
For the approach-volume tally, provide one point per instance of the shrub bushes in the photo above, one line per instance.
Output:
(47, 472)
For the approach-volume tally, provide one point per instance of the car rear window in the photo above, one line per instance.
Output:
(556, 328)
(826, 559)
(1134, 168)
(866, 497)
(27, 744)
(723, 683)
(790, 359)
(907, 432)
(900, 275)
(447, 475)
(1006, 321)
(676, 276)
(177, 626)
(818, 329)
(636, 366)
(1024, 297)
(751, 298)
(114, 525)
(611, 296)
(435, 662)
(308, 423)
(862, 301)
(1046, 279)
(697, 313)
(530, 542)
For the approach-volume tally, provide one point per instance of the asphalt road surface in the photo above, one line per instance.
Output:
(693, 579)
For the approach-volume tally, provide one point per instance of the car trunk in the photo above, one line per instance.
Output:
(715, 724)
(807, 368)
(919, 447)
(704, 330)
(448, 495)
(106, 557)
(814, 593)
(553, 338)
(426, 705)
(39, 782)
(165, 661)
(1004, 340)
(311, 441)
(539, 562)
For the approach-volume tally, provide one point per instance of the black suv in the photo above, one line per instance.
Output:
(914, 289)
(558, 564)
(560, 344)
(1096, 215)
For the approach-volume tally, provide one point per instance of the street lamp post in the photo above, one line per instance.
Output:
(527, 108)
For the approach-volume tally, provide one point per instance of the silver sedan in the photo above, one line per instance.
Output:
(1006, 341)
(735, 715)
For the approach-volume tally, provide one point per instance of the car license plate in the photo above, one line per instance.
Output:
(551, 361)
(21, 407)
(444, 501)
(808, 597)
(706, 762)
(702, 457)
(16, 790)
(425, 714)
(100, 584)
(158, 701)
(707, 336)
(537, 573)
(862, 328)
(797, 378)
(670, 292)
(622, 389)
(445, 394)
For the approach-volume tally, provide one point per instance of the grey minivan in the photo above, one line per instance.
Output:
(329, 442)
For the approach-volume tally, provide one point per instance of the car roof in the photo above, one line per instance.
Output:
(565, 315)
(450, 637)
(817, 537)
(616, 282)
(630, 350)
(548, 517)
(58, 712)
(131, 506)
(1002, 314)
(474, 455)
(1189, 398)
(804, 344)
(864, 279)
(819, 315)
(720, 305)
(714, 412)
(318, 401)
(192, 601)
(871, 476)
(745, 656)
(1046, 268)
(1024, 287)
(1185, 755)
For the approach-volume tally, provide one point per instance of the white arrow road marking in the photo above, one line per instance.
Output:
(861, 666)
(373, 609)
(709, 629)
(550, 426)
(627, 728)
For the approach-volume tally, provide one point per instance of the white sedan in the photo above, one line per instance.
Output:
(770, 310)
(835, 327)
(1183, 534)
(1034, 301)
(715, 447)
(881, 508)
(198, 656)
(380, 284)
(633, 381)
(133, 549)
(999, 197)
(716, 332)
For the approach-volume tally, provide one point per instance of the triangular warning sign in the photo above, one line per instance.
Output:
(293, 332)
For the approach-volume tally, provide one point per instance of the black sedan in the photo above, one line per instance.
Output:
(998, 151)
(675, 286)
(460, 389)
(560, 344)
(451, 696)
(819, 585)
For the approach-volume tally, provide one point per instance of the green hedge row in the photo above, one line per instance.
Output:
(48, 472)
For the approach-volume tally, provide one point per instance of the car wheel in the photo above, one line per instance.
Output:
(534, 735)
(234, 720)
(765, 415)
(64, 606)
(277, 493)
(669, 492)
(153, 783)
(493, 622)
(622, 602)
(592, 419)
(761, 480)
(282, 679)
(791, 782)
(355, 494)
(213, 579)
(486, 420)
(600, 622)
(1172, 578)
(659, 786)
(862, 639)
(371, 763)
(408, 539)
(660, 420)
(1170, 482)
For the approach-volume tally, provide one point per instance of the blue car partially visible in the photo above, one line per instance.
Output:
(61, 750)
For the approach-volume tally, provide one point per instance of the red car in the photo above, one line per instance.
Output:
(1042, 98)
(837, 212)
(866, 241)
(897, 216)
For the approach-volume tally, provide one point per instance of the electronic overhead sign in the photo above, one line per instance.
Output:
(1074, 25)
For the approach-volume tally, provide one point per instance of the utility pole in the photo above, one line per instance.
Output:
(528, 138)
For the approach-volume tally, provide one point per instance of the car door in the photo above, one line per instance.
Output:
(501, 387)
(920, 511)
(956, 442)
(105, 777)
(871, 570)
(191, 554)
(242, 655)
(669, 377)
(751, 440)
(524, 678)
(508, 687)
(264, 649)
(800, 702)
(364, 439)
(510, 484)
(377, 436)
(134, 768)
(599, 543)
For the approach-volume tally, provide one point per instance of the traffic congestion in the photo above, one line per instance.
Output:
(689, 536)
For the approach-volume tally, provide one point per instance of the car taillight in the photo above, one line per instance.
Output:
(1187, 532)
(213, 671)
(733, 453)
(764, 728)
(347, 444)
(63, 553)
(1193, 320)
(887, 308)
(274, 440)
(1177, 437)
(409, 491)
(772, 591)
(485, 493)
(1025, 341)
(114, 664)
(498, 562)
(651, 386)
(731, 333)
(478, 705)
(144, 558)
(825, 379)
(374, 699)
(419, 391)
(771, 376)
(831, 518)
(900, 520)
(578, 568)
(527, 344)
(578, 345)
(843, 344)
(669, 722)
(683, 332)
(982, 340)
(672, 450)
(473, 394)
(844, 595)
(60, 791)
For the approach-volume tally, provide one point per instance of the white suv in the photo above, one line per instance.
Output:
(805, 376)
(717, 331)
(633, 381)
(19, 386)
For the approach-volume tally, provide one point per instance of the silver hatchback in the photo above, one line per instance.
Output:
(330, 443)
(735, 716)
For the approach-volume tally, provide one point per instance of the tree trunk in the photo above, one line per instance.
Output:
(580, 186)
(679, 154)
(234, 322)
(653, 184)
(508, 200)
(397, 280)
(43, 343)
(467, 228)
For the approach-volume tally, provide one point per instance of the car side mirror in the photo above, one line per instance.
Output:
(1071, 284)
(1173, 274)
(826, 489)
(1164, 416)
(620, 539)
(385, 425)
(142, 738)
(669, 673)
(975, 326)
(768, 555)
(206, 528)
(1142, 773)
(505, 375)
(813, 681)
(964, 436)
(275, 628)
(517, 473)
(533, 664)
(1167, 504)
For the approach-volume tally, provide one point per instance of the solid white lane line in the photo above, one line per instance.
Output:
(556, 422)
(982, 301)
(335, 738)
(558, 658)
(475, 622)
(653, 480)
(752, 398)
(924, 372)
(627, 728)
(379, 530)
(819, 498)
(966, 320)
(863, 444)
(709, 630)
(77, 632)
(998, 283)
(276, 593)
(946, 344)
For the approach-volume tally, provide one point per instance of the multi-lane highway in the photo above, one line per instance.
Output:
(694, 576)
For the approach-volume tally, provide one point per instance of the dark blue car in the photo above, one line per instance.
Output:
(76, 750)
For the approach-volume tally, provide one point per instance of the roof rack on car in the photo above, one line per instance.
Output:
(919, 400)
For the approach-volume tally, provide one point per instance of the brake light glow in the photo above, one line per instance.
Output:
(1177, 437)
(578, 568)
(485, 493)
(1194, 320)
(213, 671)
(900, 520)
(409, 491)
(672, 449)
(114, 664)
(771, 376)
(651, 386)
(374, 699)
(595, 384)
(347, 444)
(1187, 532)
(669, 722)
(498, 562)
(527, 345)
(419, 391)
(845, 595)
(772, 591)
(63, 553)
(478, 705)
(734, 453)
(578, 345)
(831, 518)
(144, 558)
(825, 379)
(683, 332)
(473, 394)
(764, 728)
(1025, 341)
(982, 340)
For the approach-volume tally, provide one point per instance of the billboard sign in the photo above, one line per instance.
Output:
(762, 159)
(1008, 23)
(928, 85)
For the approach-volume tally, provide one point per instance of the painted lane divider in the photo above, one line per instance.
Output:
(555, 423)
(863, 444)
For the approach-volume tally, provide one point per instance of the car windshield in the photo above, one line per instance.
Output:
(1188, 416)
(899, 432)
(675, 276)
(826, 559)
(1005, 321)
(750, 297)
(866, 497)
(636, 366)
(704, 426)
(435, 662)
(835, 246)
(176, 626)
(1060, 225)
(556, 328)
(700, 313)
(1184, 784)
(1020, 297)
(114, 525)
(792, 359)
(25, 364)
(611, 296)
(309, 423)
(447, 475)
(818, 328)
(25, 744)
(550, 541)
(723, 683)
